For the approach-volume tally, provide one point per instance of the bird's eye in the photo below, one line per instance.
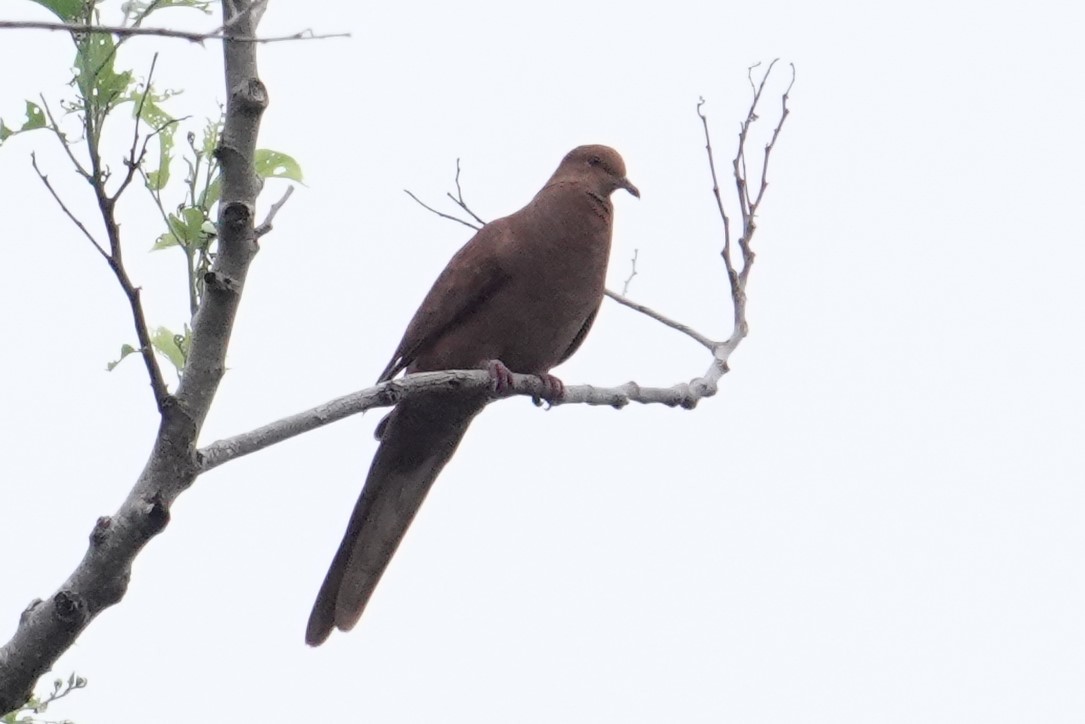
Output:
(594, 161)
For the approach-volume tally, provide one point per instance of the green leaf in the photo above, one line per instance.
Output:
(186, 228)
(273, 164)
(100, 86)
(194, 219)
(145, 106)
(35, 118)
(171, 346)
(165, 241)
(157, 179)
(67, 10)
(126, 349)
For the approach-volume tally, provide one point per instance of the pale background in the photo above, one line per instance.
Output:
(878, 519)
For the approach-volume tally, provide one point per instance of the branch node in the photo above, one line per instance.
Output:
(100, 531)
(157, 515)
(219, 282)
(235, 216)
(70, 609)
(266, 226)
(251, 96)
(25, 615)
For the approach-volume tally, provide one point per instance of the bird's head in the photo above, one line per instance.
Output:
(599, 166)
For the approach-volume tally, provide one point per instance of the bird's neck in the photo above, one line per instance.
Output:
(579, 193)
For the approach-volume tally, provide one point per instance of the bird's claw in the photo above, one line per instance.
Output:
(501, 382)
(553, 388)
(500, 376)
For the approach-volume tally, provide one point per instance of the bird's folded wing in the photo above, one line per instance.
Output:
(472, 276)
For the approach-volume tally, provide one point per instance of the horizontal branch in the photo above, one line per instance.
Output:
(129, 31)
(386, 394)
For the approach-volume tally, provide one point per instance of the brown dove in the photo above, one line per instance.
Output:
(520, 295)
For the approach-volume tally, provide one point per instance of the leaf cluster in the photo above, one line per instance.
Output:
(188, 209)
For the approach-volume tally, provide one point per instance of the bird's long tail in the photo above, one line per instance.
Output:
(417, 441)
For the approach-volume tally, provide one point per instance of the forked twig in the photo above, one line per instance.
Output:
(443, 215)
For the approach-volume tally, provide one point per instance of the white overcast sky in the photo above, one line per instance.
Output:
(878, 519)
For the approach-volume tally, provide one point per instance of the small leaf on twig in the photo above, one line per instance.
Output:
(173, 347)
(273, 164)
(126, 349)
(35, 118)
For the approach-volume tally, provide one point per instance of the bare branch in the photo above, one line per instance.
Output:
(113, 257)
(632, 272)
(63, 140)
(784, 113)
(66, 210)
(139, 321)
(693, 334)
(715, 182)
(266, 226)
(107, 206)
(458, 198)
(133, 162)
(386, 394)
(737, 279)
(443, 215)
(122, 31)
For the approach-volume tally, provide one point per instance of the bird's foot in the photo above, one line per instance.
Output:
(553, 388)
(500, 376)
(501, 382)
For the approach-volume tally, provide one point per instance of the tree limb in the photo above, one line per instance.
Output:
(392, 392)
(48, 628)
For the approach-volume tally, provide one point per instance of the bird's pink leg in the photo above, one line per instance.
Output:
(500, 376)
(501, 381)
(553, 388)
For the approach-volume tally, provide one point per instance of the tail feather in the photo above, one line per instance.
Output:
(417, 440)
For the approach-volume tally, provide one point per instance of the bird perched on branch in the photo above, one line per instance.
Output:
(521, 295)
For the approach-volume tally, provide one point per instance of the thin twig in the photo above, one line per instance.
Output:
(125, 32)
(737, 279)
(632, 272)
(739, 163)
(66, 210)
(458, 198)
(133, 163)
(139, 320)
(784, 113)
(443, 215)
(732, 275)
(266, 226)
(107, 206)
(704, 341)
(63, 139)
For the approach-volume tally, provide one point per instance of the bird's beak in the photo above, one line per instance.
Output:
(624, 183)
